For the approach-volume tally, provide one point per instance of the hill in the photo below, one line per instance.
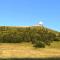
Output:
(29, 42)
(39, 36)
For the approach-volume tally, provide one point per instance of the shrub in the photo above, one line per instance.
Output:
(39, 44)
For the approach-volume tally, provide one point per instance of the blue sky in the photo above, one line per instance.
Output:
(30, 12)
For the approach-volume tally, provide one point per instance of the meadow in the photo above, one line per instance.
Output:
(26, 50)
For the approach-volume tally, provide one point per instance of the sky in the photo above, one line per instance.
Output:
(30, 12)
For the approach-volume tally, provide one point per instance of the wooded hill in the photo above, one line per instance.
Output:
(39, 36)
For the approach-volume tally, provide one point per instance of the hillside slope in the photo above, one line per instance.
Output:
(23, 42)
(39, 36)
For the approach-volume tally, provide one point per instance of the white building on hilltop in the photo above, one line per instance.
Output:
(39, 24)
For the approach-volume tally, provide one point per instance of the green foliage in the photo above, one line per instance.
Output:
(37, 35)
(39, 44)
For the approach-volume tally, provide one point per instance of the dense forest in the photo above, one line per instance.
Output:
(39, 36)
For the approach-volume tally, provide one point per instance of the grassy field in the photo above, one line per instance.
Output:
(26, 50)
(55, 44)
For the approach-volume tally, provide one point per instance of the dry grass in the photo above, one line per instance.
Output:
(55, 44)
(26, 50)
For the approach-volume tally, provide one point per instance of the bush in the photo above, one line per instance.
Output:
(39, 44)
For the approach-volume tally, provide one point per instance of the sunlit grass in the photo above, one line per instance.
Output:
(26, 50)
(55, 44)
